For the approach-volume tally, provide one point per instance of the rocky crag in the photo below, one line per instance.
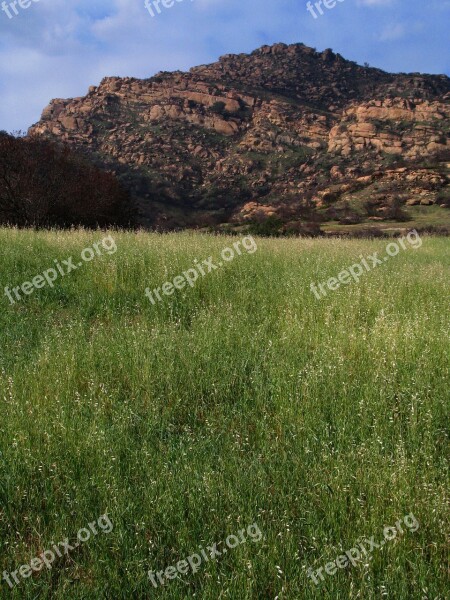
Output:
(286, 134)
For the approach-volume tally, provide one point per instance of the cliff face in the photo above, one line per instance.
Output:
(270, 133)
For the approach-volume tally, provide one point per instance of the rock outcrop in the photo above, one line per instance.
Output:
(396, 126)
(269, 133)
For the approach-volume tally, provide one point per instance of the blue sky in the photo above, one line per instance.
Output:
(58, 48)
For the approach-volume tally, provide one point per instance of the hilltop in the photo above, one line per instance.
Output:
(286, 138)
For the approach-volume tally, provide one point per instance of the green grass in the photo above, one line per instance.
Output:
(419, 217)
(243, 400)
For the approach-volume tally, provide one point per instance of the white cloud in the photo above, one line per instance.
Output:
(58, 49)
(392, 32)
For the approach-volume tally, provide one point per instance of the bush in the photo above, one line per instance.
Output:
(443, 198)
(300, 229)
(348, 216)
(270, 227)
(371, 207)
(396, 212)
(350, 219)
(218, 108)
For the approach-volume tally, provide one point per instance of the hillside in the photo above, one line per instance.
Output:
(287, 135)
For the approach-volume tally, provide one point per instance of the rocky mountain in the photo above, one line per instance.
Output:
(285, 137)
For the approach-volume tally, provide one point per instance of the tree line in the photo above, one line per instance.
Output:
(46, 184)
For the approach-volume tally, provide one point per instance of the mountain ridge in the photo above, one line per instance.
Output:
(266, 135)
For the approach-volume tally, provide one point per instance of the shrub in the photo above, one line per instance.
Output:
(218, 108)
(395, 211)
(300, 229)
(270, 227)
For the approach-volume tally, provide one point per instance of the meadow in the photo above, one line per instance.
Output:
(242, 400)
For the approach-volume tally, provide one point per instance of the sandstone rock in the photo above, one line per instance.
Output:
(156, 113)
(68, 122)
(336, 173)
(225, 127)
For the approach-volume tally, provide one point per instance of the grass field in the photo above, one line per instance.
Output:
(419, 217)
(242, 400)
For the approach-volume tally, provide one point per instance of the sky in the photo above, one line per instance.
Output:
(58, 48)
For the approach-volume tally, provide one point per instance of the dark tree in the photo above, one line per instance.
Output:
(44, 184)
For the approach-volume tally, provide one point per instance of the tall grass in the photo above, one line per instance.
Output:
(242, 400)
